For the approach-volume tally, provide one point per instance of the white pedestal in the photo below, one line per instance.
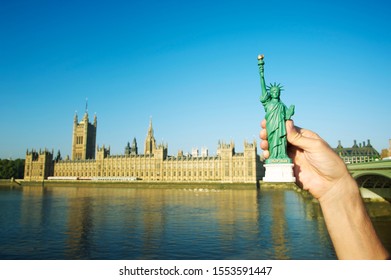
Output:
(279, 172)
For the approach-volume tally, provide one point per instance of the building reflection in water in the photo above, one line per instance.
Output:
(278, 228)
(295, 227)
(122, 223)
(80, 241)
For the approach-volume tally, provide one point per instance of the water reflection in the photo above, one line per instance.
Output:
(279, 226)
(80, 229)
(121, 223)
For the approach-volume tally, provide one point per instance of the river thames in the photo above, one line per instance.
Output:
(126, 223)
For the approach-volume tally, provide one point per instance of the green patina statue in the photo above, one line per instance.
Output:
(276, 115)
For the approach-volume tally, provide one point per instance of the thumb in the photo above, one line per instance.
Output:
(301, 138)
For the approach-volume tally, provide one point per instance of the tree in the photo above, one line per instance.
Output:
(11, 168)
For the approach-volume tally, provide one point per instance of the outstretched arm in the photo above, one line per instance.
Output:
(322, 172)
(261, 63)
(290, 112)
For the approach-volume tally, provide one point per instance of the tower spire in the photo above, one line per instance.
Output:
(150, 142)
(150, 129)
(86, 105)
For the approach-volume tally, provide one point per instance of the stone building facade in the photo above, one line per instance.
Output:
(155, 164)
(364, 152)
(38, 165)
(84, 138)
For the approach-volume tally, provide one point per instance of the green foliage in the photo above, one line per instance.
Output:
(11, 168)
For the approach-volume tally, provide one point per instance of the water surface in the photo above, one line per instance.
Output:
(121, 223)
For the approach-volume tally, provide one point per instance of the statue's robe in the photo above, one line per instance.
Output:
(275, 126)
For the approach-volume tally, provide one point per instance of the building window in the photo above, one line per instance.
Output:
(250, 168)
(226, 169)
(79, 140)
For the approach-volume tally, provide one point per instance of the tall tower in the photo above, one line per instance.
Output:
(131, 150)
(226, 153)
(84, 138)
(134, 150)
(150, 142)
(389, 149)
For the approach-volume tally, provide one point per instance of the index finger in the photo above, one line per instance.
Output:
(263, 123)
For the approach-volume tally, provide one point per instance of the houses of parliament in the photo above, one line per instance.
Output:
(91, 162)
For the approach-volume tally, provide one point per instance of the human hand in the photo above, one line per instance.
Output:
(322, 172)
(317, 167)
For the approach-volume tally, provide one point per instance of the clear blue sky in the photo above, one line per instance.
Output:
(192, 66)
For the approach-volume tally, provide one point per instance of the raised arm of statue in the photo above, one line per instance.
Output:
(289, 112)
(276, 115)
(265, 95)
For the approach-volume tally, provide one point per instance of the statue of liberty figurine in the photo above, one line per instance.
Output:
(276, 115)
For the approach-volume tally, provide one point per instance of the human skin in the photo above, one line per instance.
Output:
(319, 170)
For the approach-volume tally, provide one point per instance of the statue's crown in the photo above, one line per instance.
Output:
(279, 86)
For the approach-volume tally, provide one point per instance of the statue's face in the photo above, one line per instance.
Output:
(275, 92)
